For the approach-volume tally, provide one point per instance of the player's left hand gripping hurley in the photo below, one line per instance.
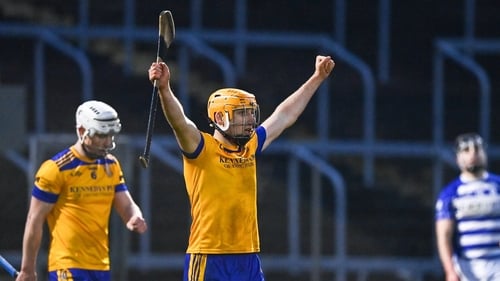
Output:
(166, 35)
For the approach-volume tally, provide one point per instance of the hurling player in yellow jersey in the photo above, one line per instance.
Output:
(74, 193)
(220, 172)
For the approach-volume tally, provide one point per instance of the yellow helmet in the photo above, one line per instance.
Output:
(229, 99)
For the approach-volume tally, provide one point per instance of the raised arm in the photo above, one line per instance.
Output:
(287, 112)
(187, 134)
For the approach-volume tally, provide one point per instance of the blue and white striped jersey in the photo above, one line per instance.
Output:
(475, 207)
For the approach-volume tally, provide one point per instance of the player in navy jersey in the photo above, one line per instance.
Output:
(468, 216)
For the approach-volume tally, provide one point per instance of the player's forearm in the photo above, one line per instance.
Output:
(186, 132)
(126, 206)
(445, 254)
(447, 263)
(444, 233)
(293, 106)
(134, 211)
(172, 108)
(31, 245)
(135, 220)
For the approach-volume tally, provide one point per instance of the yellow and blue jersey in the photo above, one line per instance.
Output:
(222, 189)
(82, 191)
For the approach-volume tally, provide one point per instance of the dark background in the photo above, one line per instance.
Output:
(391, 218)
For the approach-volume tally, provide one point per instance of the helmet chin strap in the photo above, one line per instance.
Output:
(87, 149)
(240, 141)
(226, 123)
(91, 155)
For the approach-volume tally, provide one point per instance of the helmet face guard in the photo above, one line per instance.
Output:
(240, 113)
(97, 118)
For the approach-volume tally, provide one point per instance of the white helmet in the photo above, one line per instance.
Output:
(97, 117)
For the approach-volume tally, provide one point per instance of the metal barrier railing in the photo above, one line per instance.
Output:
(45, 36)
(368, 147)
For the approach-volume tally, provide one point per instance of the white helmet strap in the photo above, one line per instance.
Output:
(226, 122)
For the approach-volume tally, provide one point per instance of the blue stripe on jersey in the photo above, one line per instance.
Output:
(261, 136)
(43, 195)
(481, 230)
(61, 154)
(480, 246)
(121, 187)
(75, 162)
(197, 151)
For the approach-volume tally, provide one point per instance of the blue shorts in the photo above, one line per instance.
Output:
(74, 274)
(226, 267)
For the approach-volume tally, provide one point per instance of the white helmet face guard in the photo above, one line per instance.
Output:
(97, 118)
